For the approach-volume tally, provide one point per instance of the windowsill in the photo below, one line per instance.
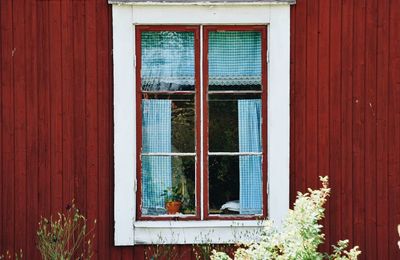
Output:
(196, 232)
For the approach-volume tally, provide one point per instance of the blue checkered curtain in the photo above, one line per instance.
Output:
(167, 61)
(156, 170)
(250, 190)
(234, 58)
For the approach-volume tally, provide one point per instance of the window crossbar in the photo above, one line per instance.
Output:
(235, 153)
(168, 154)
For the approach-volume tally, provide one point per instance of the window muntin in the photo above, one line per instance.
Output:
(232, 82)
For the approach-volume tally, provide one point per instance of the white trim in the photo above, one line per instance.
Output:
(201, 14)
(129, 232)
(196, 232)
(124, 126)
(278, 113)
(204, 3)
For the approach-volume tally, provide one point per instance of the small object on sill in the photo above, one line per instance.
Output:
(231, 207)
(173, 207)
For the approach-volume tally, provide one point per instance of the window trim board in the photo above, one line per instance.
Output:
(124, 17)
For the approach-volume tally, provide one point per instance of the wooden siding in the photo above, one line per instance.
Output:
(56, 118)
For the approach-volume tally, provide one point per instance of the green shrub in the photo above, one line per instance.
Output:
(299, 236)
(65, 238)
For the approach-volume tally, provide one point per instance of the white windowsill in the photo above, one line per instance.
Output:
(196, 232)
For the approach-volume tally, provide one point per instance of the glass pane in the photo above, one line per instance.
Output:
(234, 60)
(168, 123)
(167, 61)
(168, 179)
(234, 123)
(235, 185)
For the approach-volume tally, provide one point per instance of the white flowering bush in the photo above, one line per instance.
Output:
(299, 236)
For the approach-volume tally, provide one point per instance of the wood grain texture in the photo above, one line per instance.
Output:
(56, 124)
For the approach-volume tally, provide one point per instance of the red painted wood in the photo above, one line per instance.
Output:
(323, 102)
(359, 125)
(30, 9)
(56, 131)
(347, 119)
(335, 120)
(20, 110)
(105, 140)
(67, 78)
(311, 111)
(91, 96)
(394, 127)
(44, 129)
(79, 107)
(382, 130)
(7, 124)
(371, 129)
(56, 97)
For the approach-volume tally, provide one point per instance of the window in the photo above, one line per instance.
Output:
(171, 133)
(202, 76)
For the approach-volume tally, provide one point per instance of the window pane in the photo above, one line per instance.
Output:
(168, 173)
(167, 61)
(234, 60)
(235, 185)
(168, 123)
(234, 123)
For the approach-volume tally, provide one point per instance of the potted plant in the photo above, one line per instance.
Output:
(173, 199)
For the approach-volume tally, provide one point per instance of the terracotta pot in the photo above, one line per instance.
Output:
(173, 207)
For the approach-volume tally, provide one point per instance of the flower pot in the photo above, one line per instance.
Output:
(173, 207)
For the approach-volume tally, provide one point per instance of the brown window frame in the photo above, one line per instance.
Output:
(198, 105)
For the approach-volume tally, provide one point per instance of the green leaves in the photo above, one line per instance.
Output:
(300, 235)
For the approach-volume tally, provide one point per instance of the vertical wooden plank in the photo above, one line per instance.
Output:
(370, 129)
(300, 95)
(382, 130)
(139, 252)
(1, 148)
(292, 106)
(55, 106)
(104, 72)
(312, 94)
(91, 117)
(7, 124)
(32, 128)
(335, 120)
(44, 109)
(394, 127)
(67, 35)
(20, 85)
(347, 120)
(359, 124)
(79, 90)
(323, 102)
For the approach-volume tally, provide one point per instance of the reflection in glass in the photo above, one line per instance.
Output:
(167, 61)
(235, 185)
(223, 181)
(234, 60)
(168, 123)
(227, 112)
(161, 173)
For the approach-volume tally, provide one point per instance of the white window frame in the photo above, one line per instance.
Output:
(128, 231)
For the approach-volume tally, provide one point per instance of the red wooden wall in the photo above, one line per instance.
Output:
(56, 118)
